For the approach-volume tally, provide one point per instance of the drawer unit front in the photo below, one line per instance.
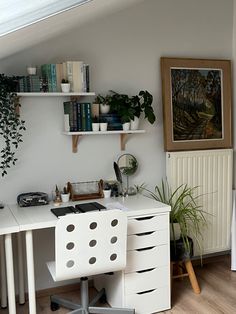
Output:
(147, 302)
(147, 258)
(147, 239)
(147, 224)
(146, 280)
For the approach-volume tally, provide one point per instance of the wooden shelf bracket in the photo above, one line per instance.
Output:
(75, 141)
(123, 140)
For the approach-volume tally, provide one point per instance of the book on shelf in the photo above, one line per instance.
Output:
(113, 121)
(68, 116)
(95, 110)
(77, 76)
(59, 75)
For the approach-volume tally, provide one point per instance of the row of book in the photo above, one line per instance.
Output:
(76, 72)
(30, 83)
(77, 116)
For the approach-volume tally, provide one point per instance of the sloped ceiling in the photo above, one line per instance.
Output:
(61, 23)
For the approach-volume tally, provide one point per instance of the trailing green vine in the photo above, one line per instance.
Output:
(11, 126)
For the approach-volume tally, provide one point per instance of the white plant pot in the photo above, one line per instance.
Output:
(31, 70)
(65, 197)
(65, 87)
(134, 124)
(107, 193)
(126, 126)
(103, 126)
(177, 231)
(104, 108)
(95, 127)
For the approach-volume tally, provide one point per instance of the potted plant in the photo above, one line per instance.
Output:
(104, 103)
(103, 124)
(65, 195)
(95, 124)
(10, 123)
(186, 216)
(106, 190)
(65, 86)
(142, 103)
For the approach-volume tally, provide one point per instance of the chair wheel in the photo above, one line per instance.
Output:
(54, 306)
(103, 299)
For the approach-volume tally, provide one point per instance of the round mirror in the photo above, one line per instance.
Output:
(128, 164)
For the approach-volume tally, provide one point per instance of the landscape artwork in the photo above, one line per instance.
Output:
(196, 103)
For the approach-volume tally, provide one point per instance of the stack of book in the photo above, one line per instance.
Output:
(76, 72)
(77, 116)
(30, 83)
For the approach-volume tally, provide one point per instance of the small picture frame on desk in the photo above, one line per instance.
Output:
(85, 190)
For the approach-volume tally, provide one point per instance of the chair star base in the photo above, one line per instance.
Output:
(85, 307)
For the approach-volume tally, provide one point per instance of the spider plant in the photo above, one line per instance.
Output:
(185, 210)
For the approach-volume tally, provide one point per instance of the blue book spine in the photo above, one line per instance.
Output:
(79, 120)
(75, 117)
(83, 116)
(53, 77)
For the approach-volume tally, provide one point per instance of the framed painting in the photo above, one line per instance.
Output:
(196, 103)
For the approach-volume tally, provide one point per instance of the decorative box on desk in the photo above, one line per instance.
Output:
(85, 190)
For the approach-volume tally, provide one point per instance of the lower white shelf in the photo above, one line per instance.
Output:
(123, 136)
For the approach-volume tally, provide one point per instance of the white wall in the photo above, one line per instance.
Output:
(124, 52)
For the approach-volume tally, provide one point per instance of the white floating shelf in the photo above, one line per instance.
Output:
(123, 136)
(104, 132)
(56, 94)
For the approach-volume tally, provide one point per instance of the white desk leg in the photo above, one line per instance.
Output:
(3, 274)
(20, 269)
(10, 274)
(30, 271)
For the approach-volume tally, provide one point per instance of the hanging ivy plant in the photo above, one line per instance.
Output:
(11, 125)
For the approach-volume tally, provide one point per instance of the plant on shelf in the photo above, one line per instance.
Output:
(11, 125)
(65, 86)
(185, 212)
(143, 103)
(129, 107)
(120, 104)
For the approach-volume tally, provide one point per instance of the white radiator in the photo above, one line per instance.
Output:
(212, 171)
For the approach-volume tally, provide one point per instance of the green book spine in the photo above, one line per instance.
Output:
(49, 77)
(88, 118)
(68, 116)
(83, 116)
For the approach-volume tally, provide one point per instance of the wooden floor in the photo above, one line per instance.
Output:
(218, 293)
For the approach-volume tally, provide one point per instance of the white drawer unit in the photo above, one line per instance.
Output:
(147, 239)
(149, 301)
(145, 282)
(147, 224)
(146, 258)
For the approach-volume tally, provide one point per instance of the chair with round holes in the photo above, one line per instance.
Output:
(88, 244)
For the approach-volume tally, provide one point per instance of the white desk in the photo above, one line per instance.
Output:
(8, 225)
(40, 217)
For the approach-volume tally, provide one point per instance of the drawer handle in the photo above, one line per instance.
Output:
(148, 291)
(144, 271)
(144, 218)
(145, 248)
(144, 233)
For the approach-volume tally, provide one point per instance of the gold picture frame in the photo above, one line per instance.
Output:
(196, 103)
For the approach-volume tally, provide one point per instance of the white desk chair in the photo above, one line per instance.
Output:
(89, 244)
